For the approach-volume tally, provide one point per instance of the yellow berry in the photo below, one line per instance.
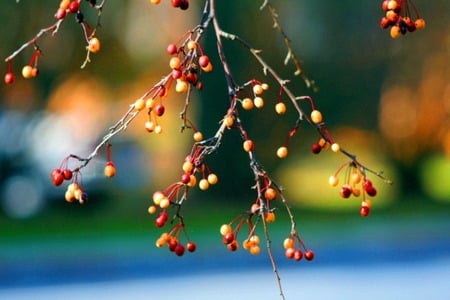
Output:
(259, 102)
(188, 167)
(229, 121)
(157, 197)
(191, 45)
(203, 184)
(139, 104)
(395, 32)
(175, 62)
(225, 228)
(27, 71)
(155, 1)
(248, 145)
(316, 116)
(333, 180)
(152, 209)
(64, 4)
(165, 203)
(280, 108)
(181, 86)
(212, 178)
(158, 129)
(257, 89)
(335, 147)
(265, 86)
(150, 126)
(94, 45)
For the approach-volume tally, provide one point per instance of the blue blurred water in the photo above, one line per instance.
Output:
(397, 259)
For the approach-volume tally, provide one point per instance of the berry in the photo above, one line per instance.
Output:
(316, 148)
(175, 63)
(255, 250)
(74, 6)
(203, 184)
(247, 103)
(270, 194)
(109, 170)
(259, 102)
(176, 3)
(139, 104)
(191, 45)
(191, 246)
(9, 78)
(159, 110)
(208, 68)
(233, 246)
(269, 217)
(198, 136)
(420, 24)
(316, 116)
(57, 177)
(335, 147)
(298, 255)
(288, 243)
(395, 32)
(179, 250)
(228, 238)
(60, 14)
(384, 22)
(224, 229)
(333, 180)
(94, 45)
(212, 178)
(27, 71)
(181, 86)
(371, 191)
(203, 61)
(364, 211)
(290, 252)
(282, 152)
(172, 49)
(156, 2)
(67, 174)
(280, 108)
(257, 89)
(345, 191)
(309, 255)
(248, 145)
(186, 178)
(184, 4)
(177, 73)
(164, 203)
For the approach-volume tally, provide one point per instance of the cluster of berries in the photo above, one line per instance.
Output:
(182, 4)
(398, 17)
(171, 240)
(353, 179)
(66, 7)
(296, 253)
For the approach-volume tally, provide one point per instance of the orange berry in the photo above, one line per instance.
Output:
(248, 145)
(152, 209)
(255, 250)
(109, 170)
(94, 45)
(212, 178)
(259, 102)
(269, 217)
(420, 24)
(174, 62)
(164, 203)
(229, 121)
(257, 89)
(191, 45)
(208, 68)
(198, 136)
(188, 167)
(395, 32)
(288, 243)
(282, 152)
(203, 184)
(333, 180)
(270, 194)
(247, 103)
(155, 2)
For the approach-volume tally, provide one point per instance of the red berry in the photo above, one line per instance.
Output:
(384, 22)
(172, 49)
(316, 148)
(309, 255)
(176, 3)
(160, 222)
(367, 184)
(298, 255)
(191, 246)
(173, 244)
(364, 211)
(159, 110)
(228, 238)
(290, 253)
(177, 73)
(203, 61)
(9, 78)
(179, 250)
(186, 178)
(67, 174)
(345, 191)
(60, 14)
(371, 191)
(57, 177)
(74, 6)
(164, 216)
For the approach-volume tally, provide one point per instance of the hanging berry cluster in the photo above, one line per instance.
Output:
(399, 17)
(65, 8)
(187, 63)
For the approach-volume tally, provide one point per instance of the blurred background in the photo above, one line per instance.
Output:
(388, 101)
